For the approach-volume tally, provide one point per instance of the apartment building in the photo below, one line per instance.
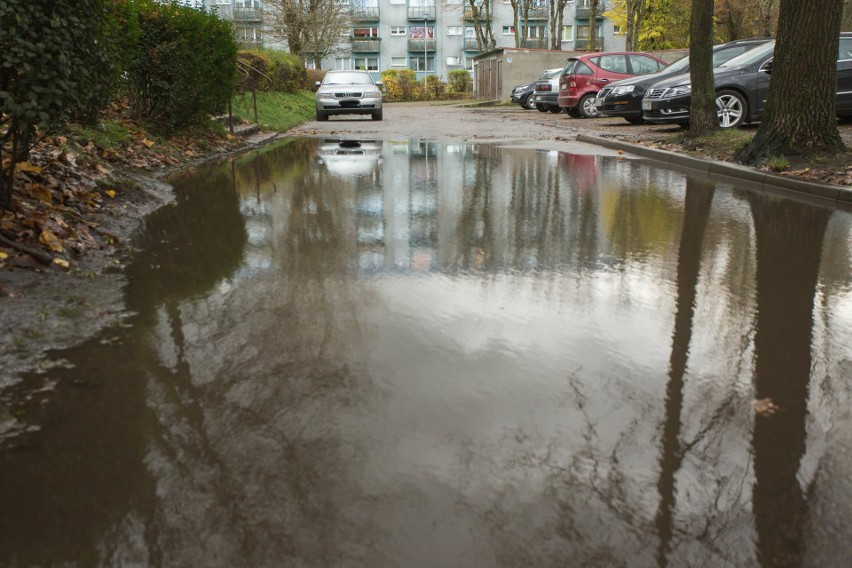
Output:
(429, 36)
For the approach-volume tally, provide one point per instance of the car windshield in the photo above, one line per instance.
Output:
(552, 74)
(346, 79)
(678, 66)
(749, 57)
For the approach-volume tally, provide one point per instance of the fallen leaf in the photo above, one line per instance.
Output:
(764, 407)
(51, 240)
(28, 167)
(61, 262)
(3, 255)
(103, 169)
(110, 192)
(147, 143)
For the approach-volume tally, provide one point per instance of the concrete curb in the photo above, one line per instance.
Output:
(724, 171)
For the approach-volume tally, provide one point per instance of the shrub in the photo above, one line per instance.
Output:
(407, 84)
(434, 87)
(285, 70)
(180, 63)
(312, 76)
(390, 77)
(56, 63)
(459, 82)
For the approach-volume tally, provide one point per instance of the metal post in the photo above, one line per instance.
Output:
(425, 53)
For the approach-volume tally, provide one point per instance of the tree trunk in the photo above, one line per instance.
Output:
(702, 111)
(800, 113)
(594, 6)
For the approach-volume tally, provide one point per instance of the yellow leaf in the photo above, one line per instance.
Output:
(147, 143)
(61, 262)
(28, 167)
(110, 192)
(3, 255)
(51, 240)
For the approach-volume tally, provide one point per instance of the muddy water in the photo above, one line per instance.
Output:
(411, 354)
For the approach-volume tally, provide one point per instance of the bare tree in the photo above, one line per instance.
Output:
(312, 28)
(480, 13)
(556, 8)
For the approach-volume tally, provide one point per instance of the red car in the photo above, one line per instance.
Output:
(585, 75)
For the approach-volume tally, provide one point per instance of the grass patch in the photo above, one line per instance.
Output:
(108, 135)
(779, 164)
(276, 110)
(721, 144)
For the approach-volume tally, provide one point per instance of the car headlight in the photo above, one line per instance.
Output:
(678, 91)
(622, 90)
(324, 93)
(377, 93)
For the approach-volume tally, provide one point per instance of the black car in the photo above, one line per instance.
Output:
(742, 84)
(624, 98)
(521, 95)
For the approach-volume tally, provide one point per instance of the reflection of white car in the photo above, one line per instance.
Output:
(350, 157)
(349, 92)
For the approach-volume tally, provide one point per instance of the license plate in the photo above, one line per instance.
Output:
(646, 105)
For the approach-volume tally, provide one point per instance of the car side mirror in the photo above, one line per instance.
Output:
(767, 67)
(317, 84)
(380, 84)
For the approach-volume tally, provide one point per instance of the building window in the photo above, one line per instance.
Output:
(451, 2)
(535, 32)
(397, 30)
(455, 61)
(567, 33)
(399, 61)
(417, 64)
(454, 30)
(403, 2)
(365, 32)
(223, 2)
(617, 30)
(367, 63)
(421, 33)
(342, 63)
(468, 64)
(508, 30)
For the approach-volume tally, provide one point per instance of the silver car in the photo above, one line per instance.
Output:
(349, 92)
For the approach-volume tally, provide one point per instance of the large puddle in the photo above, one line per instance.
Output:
(425, 355)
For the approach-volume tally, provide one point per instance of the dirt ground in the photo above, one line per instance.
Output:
(44, 308)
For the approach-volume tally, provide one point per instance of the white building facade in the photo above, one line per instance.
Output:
(430, 36)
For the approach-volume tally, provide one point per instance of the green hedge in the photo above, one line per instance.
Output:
(286, 70)
(180, 62)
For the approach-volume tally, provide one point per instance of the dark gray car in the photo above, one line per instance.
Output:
(742, 85)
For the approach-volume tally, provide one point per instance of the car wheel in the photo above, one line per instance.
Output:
(377, 115)
(322, 115)
(587, 106)
(730, 108)
(541, 108)
(555, 109)
(634, 119)
(525, 102)
(573, 112)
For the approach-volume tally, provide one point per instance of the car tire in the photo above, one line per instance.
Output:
(555, 109)
(525, 102)
(587, 107)
(541, 108)
(573, 112)
(376, 115)
(731, 108)
(321, 116)
(634, 119)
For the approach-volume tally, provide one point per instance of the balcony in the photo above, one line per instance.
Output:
(421, 13)
(250, 43)
(540, 13)
(470, 17)
(366, 45)
(420, 45)
(583, 45)
(470, 44)
(537, 43)
(365, 13)
(248, 14)
(586, 13)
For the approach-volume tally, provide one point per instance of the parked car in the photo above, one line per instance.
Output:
(522, 94)
(585, 75)
(348, 92)
(624, 98)
(546, 91)
(742, 84)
